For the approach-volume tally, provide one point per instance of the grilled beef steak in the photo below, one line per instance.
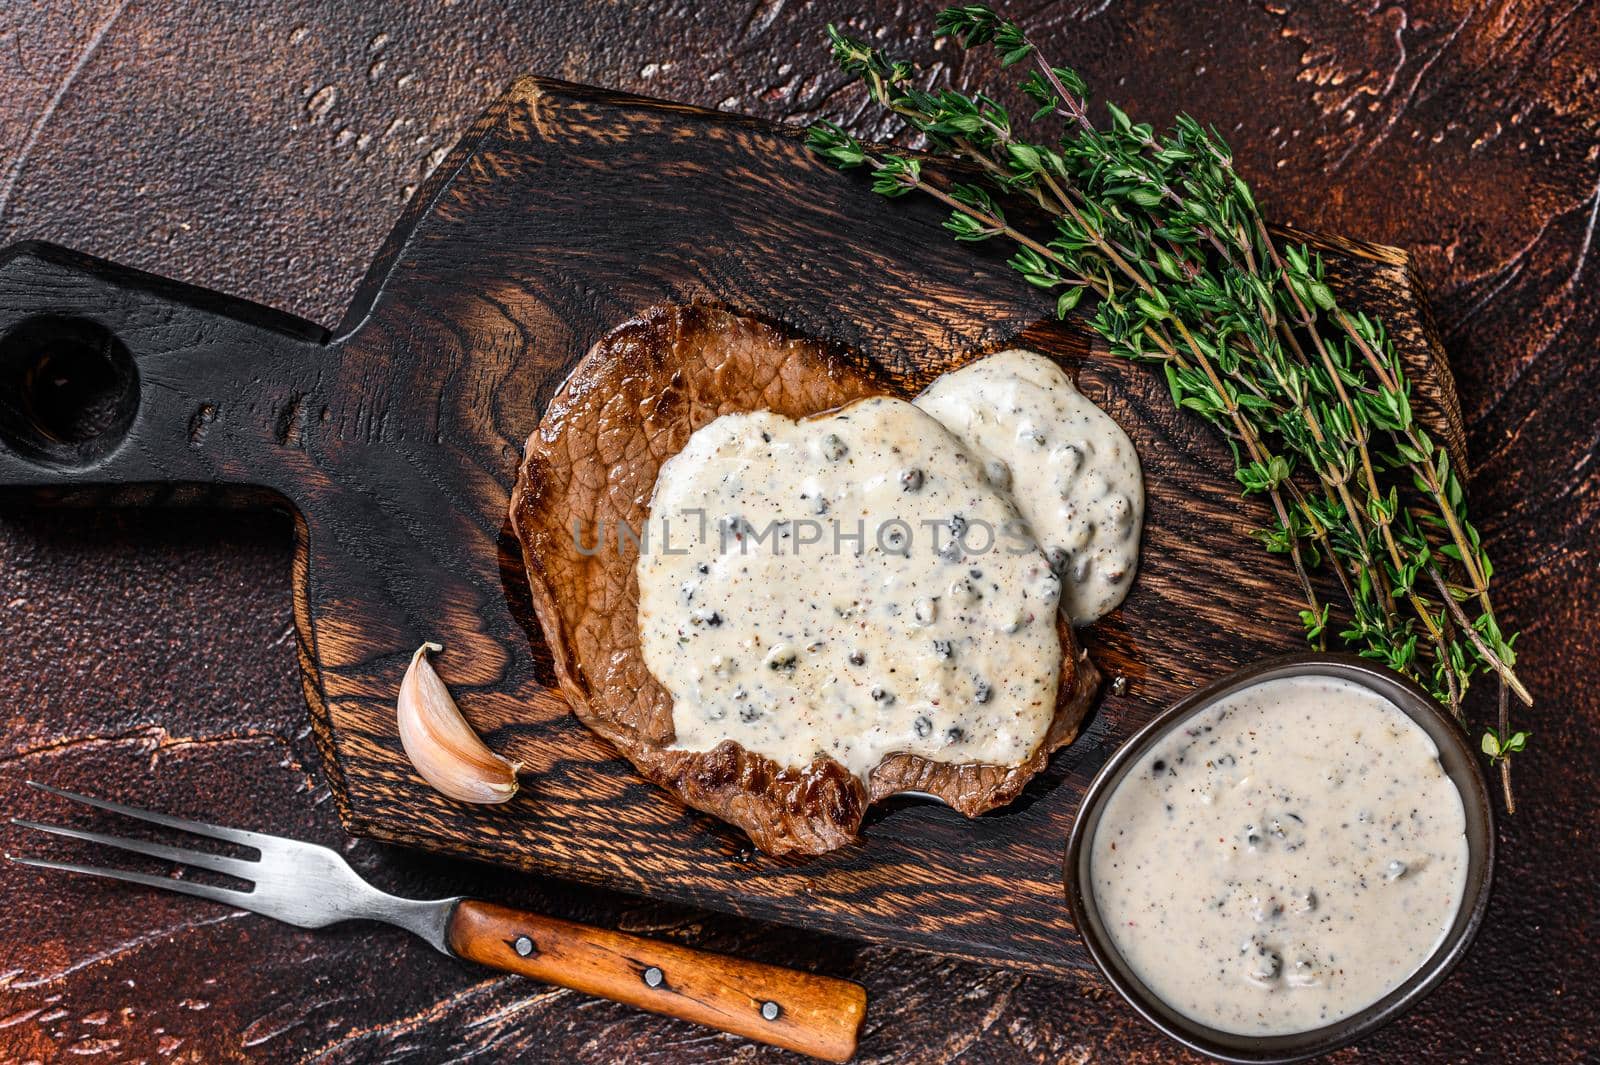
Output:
(590, 468)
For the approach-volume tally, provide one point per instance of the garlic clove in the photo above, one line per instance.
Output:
(441, 745)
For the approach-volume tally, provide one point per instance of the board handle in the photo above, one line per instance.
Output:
(804, 1012)
(111, 376)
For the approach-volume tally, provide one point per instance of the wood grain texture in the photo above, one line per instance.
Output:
(253, 149)
(563, 212)
(813, 1015)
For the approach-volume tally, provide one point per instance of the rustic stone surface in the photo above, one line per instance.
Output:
(266, 150)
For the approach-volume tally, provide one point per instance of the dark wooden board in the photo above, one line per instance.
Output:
(395, 442)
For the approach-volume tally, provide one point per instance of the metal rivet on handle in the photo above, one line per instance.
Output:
(770, 1011)
(523, 946)
(654, 977)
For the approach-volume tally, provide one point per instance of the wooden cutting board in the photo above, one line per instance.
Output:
(395, 442)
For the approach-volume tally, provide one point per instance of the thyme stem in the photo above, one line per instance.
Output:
(1166, 239)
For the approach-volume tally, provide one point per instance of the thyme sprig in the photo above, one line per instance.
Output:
(1163, 238)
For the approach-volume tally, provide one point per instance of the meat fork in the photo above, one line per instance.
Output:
(311, 886)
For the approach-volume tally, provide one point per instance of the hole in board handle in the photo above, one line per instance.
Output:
(69, 391)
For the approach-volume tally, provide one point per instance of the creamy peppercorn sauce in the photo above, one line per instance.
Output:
(849, 585)
(1283, 859)
(1070, 469)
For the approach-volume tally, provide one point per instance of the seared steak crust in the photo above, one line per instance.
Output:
(589, 469)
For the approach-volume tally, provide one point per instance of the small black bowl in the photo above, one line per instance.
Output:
(1460, 764)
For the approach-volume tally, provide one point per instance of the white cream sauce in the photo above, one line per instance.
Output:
(1284, 858)
(850, 585)
(1071, 470)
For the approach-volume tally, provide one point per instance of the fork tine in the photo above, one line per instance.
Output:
(198, 828)
(217, 863)
(242, 899)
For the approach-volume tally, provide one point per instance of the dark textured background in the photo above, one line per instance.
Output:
(265, 149)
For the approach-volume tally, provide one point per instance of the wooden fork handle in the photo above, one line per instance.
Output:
(804, 1012)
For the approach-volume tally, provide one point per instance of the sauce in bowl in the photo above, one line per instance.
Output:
(1282, 857)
